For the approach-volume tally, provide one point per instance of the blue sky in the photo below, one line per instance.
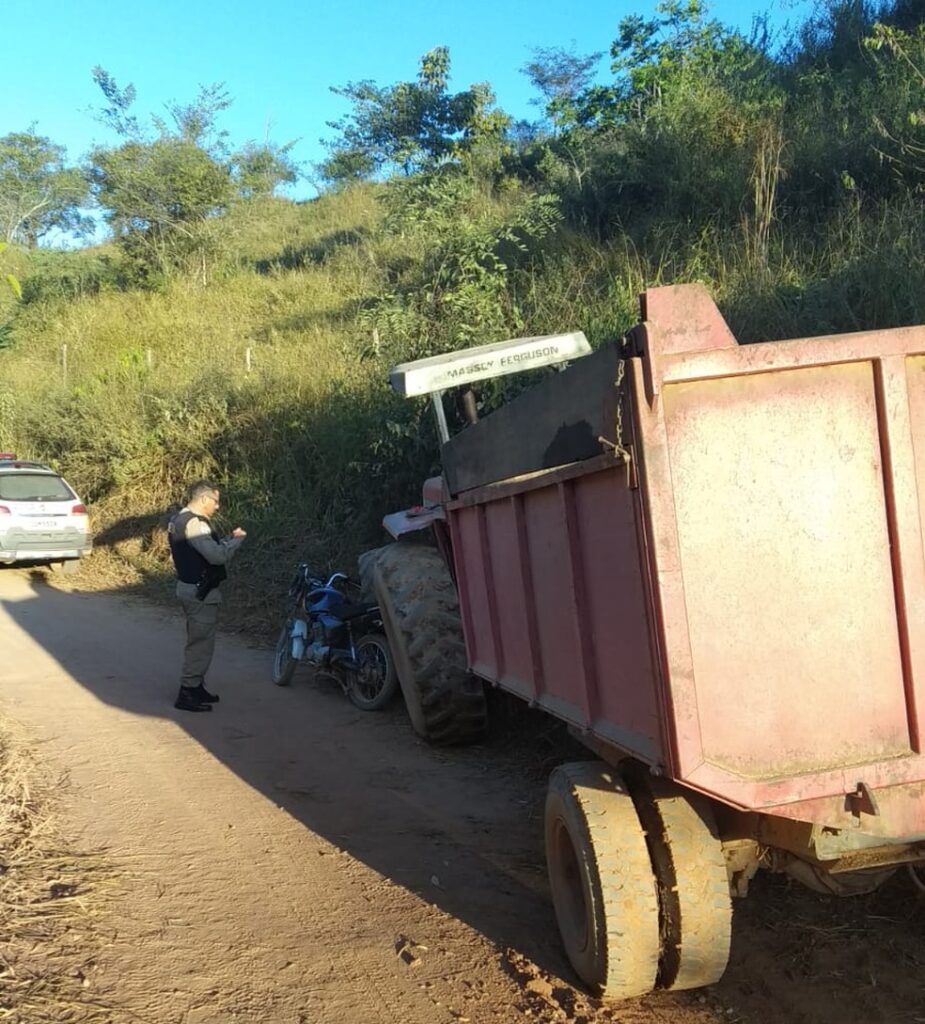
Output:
(278, 61)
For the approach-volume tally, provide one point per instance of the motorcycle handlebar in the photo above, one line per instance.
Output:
(317, 581)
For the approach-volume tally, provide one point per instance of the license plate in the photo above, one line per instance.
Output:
(42, 524)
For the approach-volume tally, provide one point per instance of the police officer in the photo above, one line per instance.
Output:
(199, 557)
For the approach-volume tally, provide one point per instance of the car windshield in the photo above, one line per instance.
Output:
(33, 487)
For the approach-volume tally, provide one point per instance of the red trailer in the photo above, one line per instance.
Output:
(707, 558)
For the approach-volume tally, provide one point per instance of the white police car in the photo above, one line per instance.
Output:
(41, 518)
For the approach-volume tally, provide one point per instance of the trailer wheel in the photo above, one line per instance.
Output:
(420, 613)
(601, 878)
(693, 884)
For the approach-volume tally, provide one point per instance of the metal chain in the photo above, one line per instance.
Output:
(617, 447)
(621, 373)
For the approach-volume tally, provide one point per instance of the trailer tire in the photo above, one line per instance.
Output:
(693, 883)
(601, 878)
(420, 614)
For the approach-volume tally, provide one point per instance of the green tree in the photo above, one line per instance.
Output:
(856, 96)
(564, 152)
(161, 191)
(651, 57)
(160, 198)
(562, 77)
(691, 112)
(410, 125)
(117, 115)
(262, 168)
(197, 122)
(900, 69)
(345, 166)
(463, 249)
(39, 193)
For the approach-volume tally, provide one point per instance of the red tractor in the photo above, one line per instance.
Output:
(707, 559)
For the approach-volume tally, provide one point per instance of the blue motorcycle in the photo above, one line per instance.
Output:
(328, 628)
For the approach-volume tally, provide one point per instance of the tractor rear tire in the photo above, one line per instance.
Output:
(601, 878)
(693, 884)
(420, 613)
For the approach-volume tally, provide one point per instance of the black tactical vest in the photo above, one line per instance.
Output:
(191, 567)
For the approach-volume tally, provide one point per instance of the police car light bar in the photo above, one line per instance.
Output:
(459, 369)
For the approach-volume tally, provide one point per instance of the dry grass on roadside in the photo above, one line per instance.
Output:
(48, 897)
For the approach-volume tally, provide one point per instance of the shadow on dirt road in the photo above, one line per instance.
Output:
(460, 827)
(463, 828)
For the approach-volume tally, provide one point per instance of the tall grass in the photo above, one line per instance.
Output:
(310, 443)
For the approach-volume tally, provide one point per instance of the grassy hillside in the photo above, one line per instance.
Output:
(793, 192)
(312, 446)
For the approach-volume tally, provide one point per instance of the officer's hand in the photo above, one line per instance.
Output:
(238, 532)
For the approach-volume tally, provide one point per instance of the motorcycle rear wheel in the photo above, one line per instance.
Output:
(376, 683)
(283, 662)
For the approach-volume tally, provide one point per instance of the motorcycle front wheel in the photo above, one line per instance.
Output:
(283, 662)
(375, 683)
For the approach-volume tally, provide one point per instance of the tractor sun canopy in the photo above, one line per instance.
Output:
(468, 366)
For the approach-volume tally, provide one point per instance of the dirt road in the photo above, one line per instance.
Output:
(289, 860)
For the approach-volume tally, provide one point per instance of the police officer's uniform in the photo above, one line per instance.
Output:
(199, 556)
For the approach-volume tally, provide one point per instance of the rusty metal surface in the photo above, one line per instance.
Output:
(553, 600)
(752, 617)
(857, 410)
(785, 561)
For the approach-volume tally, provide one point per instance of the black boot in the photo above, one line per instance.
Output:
(204, 696)
(189, 700)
